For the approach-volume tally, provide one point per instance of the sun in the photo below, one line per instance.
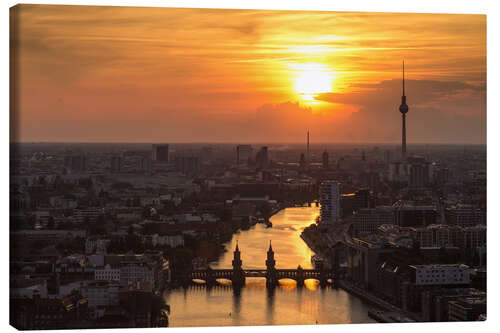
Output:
(311, 79)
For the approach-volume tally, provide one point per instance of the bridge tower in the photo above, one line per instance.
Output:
(238, 276)
(300, 276)
(271, 279)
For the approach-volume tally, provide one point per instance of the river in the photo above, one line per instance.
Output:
(255, 305)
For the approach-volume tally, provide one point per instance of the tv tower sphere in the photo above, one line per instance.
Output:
(403, 108)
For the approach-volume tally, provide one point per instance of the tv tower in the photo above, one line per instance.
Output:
(403, 108)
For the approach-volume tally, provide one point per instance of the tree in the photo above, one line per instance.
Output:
(181, 259)
(265, 210)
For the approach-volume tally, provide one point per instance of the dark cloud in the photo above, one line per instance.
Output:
(439, 111)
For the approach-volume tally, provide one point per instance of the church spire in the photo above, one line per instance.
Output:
(270, 247)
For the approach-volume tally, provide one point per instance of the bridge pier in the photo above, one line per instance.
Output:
(271, 283)
(238, 279)
(300, 277)
(210, 278)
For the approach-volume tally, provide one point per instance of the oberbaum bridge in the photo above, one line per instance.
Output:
(238, 274)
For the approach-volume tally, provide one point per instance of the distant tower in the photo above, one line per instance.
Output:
(403, 108)
(307, 160)
(271, 279)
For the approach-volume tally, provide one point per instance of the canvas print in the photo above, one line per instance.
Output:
(174, 167)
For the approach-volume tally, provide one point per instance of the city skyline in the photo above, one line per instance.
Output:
(155, 153)
(245, 76)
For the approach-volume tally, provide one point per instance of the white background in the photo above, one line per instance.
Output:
(419, 6)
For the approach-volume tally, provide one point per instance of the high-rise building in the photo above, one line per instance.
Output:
(409, 215)
(262, 158)
(76, 162)
(330, 202)
(116, 163)
(467, 308)
(325, 159)
(403, 108)
(145, 165)
(302, 162)
(419, 175)
(388, 156)
(160, 152)
(464, 215)
(367, 220)
(243, 154)
(207, 155)
(188, 165)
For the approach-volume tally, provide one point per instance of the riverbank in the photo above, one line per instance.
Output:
(320, 241)
(385, 312)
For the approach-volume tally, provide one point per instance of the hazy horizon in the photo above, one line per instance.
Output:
(251, 142)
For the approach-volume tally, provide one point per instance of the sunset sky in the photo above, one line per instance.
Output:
(118, 74)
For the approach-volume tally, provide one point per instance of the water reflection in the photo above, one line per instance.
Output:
(254, 304)
(270, 306)
(287, 284)
(311, 284)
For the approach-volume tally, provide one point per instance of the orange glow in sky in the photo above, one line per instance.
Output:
(86, 73)
(312, 79)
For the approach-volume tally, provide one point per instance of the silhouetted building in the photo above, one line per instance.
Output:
(188, 165)
(160, 152)
(137, 300)
(367, 220)
(420, 171)
(243, 154)
(116, 164)
(262, 158)
(464, 216)
(388, 156)
(302, 162)
(145, 165)
(409, 215)
(325, 159)
(39, 313)
(207, 155)
(467, 308)
(330, 202)
(76, 162)
(442, 176)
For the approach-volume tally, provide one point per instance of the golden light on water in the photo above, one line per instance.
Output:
(311, 284)
(287, 284)
(311, 79)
